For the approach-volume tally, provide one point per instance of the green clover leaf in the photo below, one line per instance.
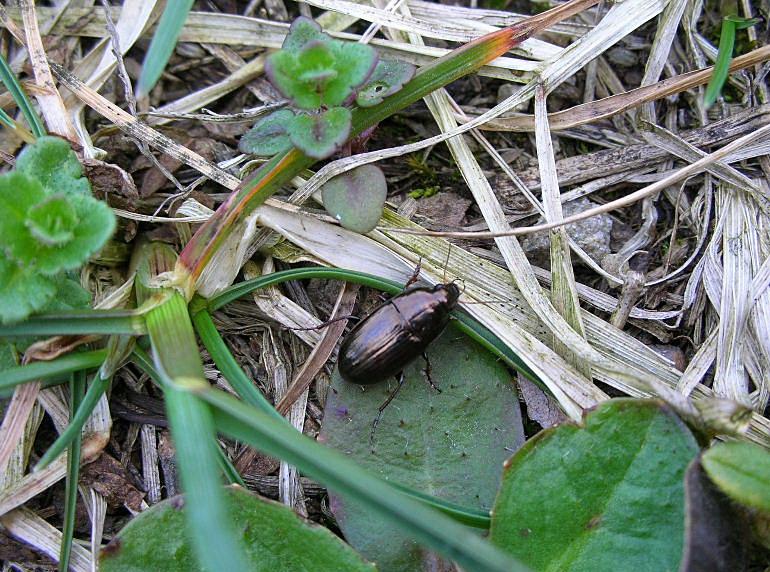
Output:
(320, 135)
(268, 137)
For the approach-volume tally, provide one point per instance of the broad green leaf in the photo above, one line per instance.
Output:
(302, 31)
(320, 135)
(742, 471)
(23, 291)
(388, 77)
(52, 162)
(605, 496)
(356, 198)
(275, 539)
(450, 444)
(268, 137)
(20, 210)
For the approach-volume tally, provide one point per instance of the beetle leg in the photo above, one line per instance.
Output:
(415, 274)
(428, 370)
(384, 405)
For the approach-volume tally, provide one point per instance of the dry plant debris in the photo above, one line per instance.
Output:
(606, 113)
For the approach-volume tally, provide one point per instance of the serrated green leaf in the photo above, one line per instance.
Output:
(320, 135)
(450, 444)
(605, 496)
(51, 161)
(52, 220)
(388, 77)
(20, 196)
(275, 539)
(742, 471)
(268, 137)
(22, 291)
(356, 198)
(302, 31)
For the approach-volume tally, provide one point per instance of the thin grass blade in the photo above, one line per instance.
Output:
(162, 45)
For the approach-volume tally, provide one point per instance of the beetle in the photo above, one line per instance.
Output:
(394, 334)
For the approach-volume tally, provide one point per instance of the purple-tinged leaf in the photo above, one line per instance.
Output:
(356, 198)
(320, 135)
(268, 137)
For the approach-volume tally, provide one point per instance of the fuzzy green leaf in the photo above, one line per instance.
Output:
(24, 217)
(23, 291)
(356, 198)
(322, 72)
(320, 135)
(51, 161)
(388, 77)
(52, 220)
(275, 539)
(302, 31)
(268, 137)
(605, 496)
(742, 471)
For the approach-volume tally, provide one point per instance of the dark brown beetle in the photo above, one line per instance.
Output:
(393, 335)
(396, 333)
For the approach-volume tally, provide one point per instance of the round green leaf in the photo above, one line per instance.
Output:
(450, 444)
(274, 537)
(52, 220)
(302, 31)
(356, 198)
(605, 496)
(742, 471)
(320, 135)
(52, 161)
(268, 137)
(388, 77)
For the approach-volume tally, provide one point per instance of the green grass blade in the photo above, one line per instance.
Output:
(226, 364)
(178, 362)
(231, 474)
(75, 428)
(722, 65)
(52, 369)
(79, 322)
(73, 473)
(162, 44)
(20, 98)
(192, 428)
(342, 475)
